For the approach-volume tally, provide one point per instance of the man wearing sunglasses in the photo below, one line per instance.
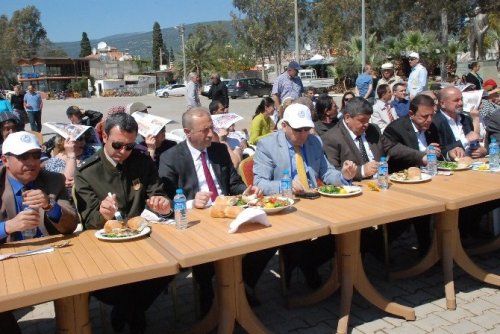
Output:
(295, 149)
(132, 178)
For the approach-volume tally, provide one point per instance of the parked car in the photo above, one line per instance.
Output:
(172, 90)
(208, 84)
(248, 87)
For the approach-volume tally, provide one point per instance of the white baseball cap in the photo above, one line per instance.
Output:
(298, 116)
(387, 66)
(414, 55)
(20, 142)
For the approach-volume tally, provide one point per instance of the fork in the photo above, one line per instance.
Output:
(42, 250)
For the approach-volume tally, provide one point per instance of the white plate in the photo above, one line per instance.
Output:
(275, 210)
(351, 191)
(424, 178)
(455, 169)
(99, 235)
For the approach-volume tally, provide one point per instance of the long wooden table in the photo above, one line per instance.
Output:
(463, 189)
(346, 217)
(68, 274)
(207, 239)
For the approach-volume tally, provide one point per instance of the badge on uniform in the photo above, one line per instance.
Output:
(136, 184)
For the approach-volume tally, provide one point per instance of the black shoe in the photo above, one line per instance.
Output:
(253, 301)
(137, 323)
(118, 319)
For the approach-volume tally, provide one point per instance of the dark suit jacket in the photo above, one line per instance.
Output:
(218, 93)
(177, 170)
(446, 137)
(339, 146)
(402, 135)
(51, 184)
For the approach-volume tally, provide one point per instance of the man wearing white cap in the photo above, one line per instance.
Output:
(295, 149)
(388, 76)
(417, 81)
(34, 202)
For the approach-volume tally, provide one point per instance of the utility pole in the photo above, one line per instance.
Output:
(363, 37)
(297, 54)
(181, 30)
(161, 58)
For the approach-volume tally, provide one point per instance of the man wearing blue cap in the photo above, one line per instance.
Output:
(288, 84)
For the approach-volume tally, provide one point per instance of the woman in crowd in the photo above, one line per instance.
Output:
(345, 98)
(68, 154)
(5, 104)
(262, 124)
(473, 76)
(326, 112)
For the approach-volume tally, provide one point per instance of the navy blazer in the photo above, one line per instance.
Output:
(446, 137)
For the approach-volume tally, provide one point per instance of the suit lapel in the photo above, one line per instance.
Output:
(353, 146)
(411, 134)
(188, 164)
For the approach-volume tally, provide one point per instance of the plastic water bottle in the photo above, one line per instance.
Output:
(383, 174)
(180, 210)
(494, 152)
(431, 161)
(286, 184)
(31, 232)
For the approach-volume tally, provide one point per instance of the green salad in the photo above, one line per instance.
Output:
(331, 189)
(448, 164)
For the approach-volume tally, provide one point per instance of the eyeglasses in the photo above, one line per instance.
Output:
(26, 156)
(118, 146)
(306, 129)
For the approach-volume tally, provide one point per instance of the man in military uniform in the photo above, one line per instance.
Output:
(132, 179)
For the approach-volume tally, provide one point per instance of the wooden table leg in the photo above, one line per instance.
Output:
(326, 290)
(72, 315)
(491, 246)
(353, 276)
(427, 262)
(233, 304)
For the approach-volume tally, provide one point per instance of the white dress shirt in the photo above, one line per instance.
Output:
(422, 141)
(369, 152)
(458, 131)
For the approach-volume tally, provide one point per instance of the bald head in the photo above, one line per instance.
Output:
(450, 101)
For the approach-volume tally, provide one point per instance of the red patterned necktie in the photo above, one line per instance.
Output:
(208, 177)
(389, 113)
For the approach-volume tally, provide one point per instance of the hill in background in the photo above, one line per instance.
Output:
(140, 43)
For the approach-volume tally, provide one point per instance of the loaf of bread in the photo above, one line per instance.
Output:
(137, 223)
(112, 224)
(226, 200)
(464, 162)
(414, 173)
(225, 211)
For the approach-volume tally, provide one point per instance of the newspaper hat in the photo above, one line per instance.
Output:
(298, 116)
(136, 106)
(20, 142)
(387, 66)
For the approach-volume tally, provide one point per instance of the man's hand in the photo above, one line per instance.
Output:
(349, 170)
(437, 148)
(370, 168)
(151, 142)
(478, 152)
(297, 186)
(472, 136)
(24, 220)
(159, 204)
(201, 199)
(253, 190)
(455, 153)
(108, 207)
(35, 198)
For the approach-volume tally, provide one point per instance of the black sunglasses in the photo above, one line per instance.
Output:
(25, 156)
(118, 146)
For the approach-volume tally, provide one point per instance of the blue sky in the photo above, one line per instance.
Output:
(66, 20)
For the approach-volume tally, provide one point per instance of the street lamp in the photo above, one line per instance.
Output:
(181, 30)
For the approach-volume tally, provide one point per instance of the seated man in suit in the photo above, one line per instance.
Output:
(120, 167)
(355, 139)
(456, 133)
(300, 152)
(203, 169)
(415, 131)
(27, 192)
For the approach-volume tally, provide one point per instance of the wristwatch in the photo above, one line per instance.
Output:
(52, 202)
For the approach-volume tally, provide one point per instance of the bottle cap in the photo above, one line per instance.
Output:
(382, 159)
(179, 191)
(286, 171)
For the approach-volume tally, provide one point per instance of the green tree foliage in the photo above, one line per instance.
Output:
(158, 45)
(48, 49)
(85, 48)
(197, 50)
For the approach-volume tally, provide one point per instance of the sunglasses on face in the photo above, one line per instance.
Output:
(26, 156)
(413, 58)
(118, 146)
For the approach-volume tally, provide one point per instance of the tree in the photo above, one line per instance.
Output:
(85, 48)
(172, 56)
(158, 47)
(48, 49)
(197, 60)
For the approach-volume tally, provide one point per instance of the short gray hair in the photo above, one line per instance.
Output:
(187, 117)
(192, 75)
